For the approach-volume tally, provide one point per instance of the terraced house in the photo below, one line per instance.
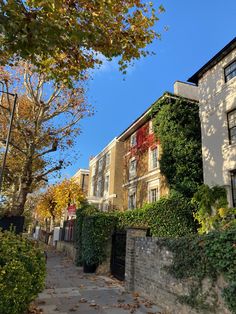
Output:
(142, 179)
(105, 181)
(216, 82)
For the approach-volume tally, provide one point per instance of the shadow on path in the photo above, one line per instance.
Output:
(69, 290)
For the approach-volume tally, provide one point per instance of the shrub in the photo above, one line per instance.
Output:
(22, 273)
(96, 232)
(212, 212)
(85, 210)
(169, 217)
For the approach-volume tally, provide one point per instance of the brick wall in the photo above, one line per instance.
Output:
(146, 274)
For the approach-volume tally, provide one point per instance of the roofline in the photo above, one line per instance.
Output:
(213, 61)
(144, 115)
(104, 150)
(81, 170)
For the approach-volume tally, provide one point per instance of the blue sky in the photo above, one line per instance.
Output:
(197, 31)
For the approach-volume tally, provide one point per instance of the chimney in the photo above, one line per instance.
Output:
(186, 90)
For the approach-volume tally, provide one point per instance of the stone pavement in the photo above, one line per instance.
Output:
(69, 290)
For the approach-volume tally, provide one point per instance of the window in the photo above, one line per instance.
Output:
(153, 195)
(93, 186)
(133, 140)
(150, 127)
(233, 184)
(100, 164)
(99, 187)
(132, 168)
(230, 71)
(132, 200)
(153, 158)
(153, 190)
(108, 159)
(106, 184)
(232, 126)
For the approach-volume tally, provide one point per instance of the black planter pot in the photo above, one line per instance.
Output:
(89, 268)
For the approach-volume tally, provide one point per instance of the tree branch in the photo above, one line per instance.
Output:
(13, 145)
(53, 149)
(56, 168)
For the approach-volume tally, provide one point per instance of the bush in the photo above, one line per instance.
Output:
(96, 232)
(169, 217)
(85, 210)
(212, 211)
(22, 273)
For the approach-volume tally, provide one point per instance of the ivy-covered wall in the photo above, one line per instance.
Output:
(187, 275)
(177, 126)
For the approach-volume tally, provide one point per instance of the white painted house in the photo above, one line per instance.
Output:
(216, 82)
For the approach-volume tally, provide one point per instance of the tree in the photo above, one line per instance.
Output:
(46, 120)
(64, 38)
(177, 126)
(56, 199)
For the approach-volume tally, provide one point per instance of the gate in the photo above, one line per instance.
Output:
(118, 254)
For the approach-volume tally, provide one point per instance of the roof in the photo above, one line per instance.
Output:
(144, 117)
(213, 61)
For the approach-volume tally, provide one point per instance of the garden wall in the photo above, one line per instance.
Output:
(146, 273)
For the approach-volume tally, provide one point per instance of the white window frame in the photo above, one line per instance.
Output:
(151, 161)
(132, 193)
(152, 185)
(99, 187)
(108, 159)
(150, 127)
(133, 140)
(106, 184)
(100, 164)
(151, 200)
(132, 172)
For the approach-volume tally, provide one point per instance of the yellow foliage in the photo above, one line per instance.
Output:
(54, 202)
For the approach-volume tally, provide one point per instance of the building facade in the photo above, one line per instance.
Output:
(142, 180)
(216, 82)
(82, 177)
(105, 180)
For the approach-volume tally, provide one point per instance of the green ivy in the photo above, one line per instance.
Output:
(84, 211)
(198, 257)
(212, 210)
(177, 125)
(169, 217)
(22, 273)
(96, 232)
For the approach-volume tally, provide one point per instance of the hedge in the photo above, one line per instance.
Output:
(169, 217)
(96, 232)
(85, 210)
(22, 273)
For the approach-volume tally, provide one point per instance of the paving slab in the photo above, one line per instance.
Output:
(69, 290)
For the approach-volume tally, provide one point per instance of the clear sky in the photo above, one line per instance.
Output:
(197, 31)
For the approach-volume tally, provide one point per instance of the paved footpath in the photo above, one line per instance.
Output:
(69, 290)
